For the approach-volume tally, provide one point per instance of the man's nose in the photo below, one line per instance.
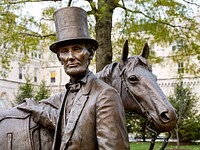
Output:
(70, 55)
(67, 56)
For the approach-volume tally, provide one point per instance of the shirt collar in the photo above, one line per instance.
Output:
(82, 81)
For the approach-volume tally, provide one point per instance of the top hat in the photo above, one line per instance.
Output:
(71, 27)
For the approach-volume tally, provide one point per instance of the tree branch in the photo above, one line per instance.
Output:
(69, 3)
(17, 2)
(46, 19)
(191, 3)
(25, 1)
(92, 5)
(159, 21)
(37, 35)
(126, 14)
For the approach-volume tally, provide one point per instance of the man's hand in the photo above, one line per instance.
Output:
(29, 105)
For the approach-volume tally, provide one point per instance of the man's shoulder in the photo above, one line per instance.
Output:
(54, 100)
(103, 84)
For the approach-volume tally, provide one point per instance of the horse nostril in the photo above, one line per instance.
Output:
(164, 116)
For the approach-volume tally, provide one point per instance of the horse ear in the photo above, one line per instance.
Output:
(125, 51)
(145, 51)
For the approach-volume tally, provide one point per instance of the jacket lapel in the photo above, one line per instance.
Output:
(79, 103)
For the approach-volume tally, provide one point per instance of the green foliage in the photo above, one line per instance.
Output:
(25, 91)
(134, 122)
(190, 129)
(158, 145)
(185, 103)
(21, 33)
(163, 22)
(43, 92)
(137, 125)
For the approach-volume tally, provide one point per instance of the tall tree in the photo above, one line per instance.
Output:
(185, 103)
(26, 90)
(43, 92)
(160, 21)
(154, 21)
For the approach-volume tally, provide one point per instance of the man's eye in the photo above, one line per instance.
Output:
(77, 48)
(64, 51)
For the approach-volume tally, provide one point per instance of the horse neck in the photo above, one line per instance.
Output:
(110, 75)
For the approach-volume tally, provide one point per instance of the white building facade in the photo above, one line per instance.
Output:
(41, 67)
(45, 66)
(168, 71)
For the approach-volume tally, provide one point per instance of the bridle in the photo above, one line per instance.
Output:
(155, 137)
(149, 118)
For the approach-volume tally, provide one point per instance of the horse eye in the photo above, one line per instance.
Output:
(133, 79)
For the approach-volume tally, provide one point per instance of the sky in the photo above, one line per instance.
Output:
(35, 8)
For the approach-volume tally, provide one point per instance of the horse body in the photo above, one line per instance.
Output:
(135, 83)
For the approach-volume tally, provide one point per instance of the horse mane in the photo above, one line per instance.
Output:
(135, 60)
(106, 73)
(109, 70)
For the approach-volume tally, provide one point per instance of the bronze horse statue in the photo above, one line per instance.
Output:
(139, 90)
(133, 79)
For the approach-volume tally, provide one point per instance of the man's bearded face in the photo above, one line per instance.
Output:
(75, 58)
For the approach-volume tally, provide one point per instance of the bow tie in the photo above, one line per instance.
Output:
(74, 87)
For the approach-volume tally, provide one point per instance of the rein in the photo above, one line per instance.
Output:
(155, 137)
(149, 120)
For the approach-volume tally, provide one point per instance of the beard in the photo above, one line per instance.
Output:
(76, 71)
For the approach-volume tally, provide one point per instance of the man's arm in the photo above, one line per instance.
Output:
(45, 112)
(111, 126)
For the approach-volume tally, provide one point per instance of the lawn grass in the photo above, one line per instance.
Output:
(158, 145)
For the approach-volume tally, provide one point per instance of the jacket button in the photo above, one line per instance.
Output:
(69, 143)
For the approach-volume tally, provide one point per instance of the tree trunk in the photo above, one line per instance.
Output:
(177, 137)
(144, 132)
(103, 33)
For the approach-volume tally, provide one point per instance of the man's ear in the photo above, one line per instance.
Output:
(58, 56)
(91, 53)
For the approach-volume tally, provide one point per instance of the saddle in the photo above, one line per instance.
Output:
(18, 131)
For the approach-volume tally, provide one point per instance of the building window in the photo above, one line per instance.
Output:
(3, 73)
(173, 48)
(179, 44)
(180, 68)
(35, 74)
(20, 72)
(53, 77)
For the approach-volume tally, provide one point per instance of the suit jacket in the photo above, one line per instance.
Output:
(96, 120)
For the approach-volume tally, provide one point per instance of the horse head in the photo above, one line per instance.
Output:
(141, 93)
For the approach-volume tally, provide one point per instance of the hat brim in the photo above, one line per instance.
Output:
(54, 47)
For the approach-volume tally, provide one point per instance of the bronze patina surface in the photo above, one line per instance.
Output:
(90, 114)
(139, 90)
(112, 74)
